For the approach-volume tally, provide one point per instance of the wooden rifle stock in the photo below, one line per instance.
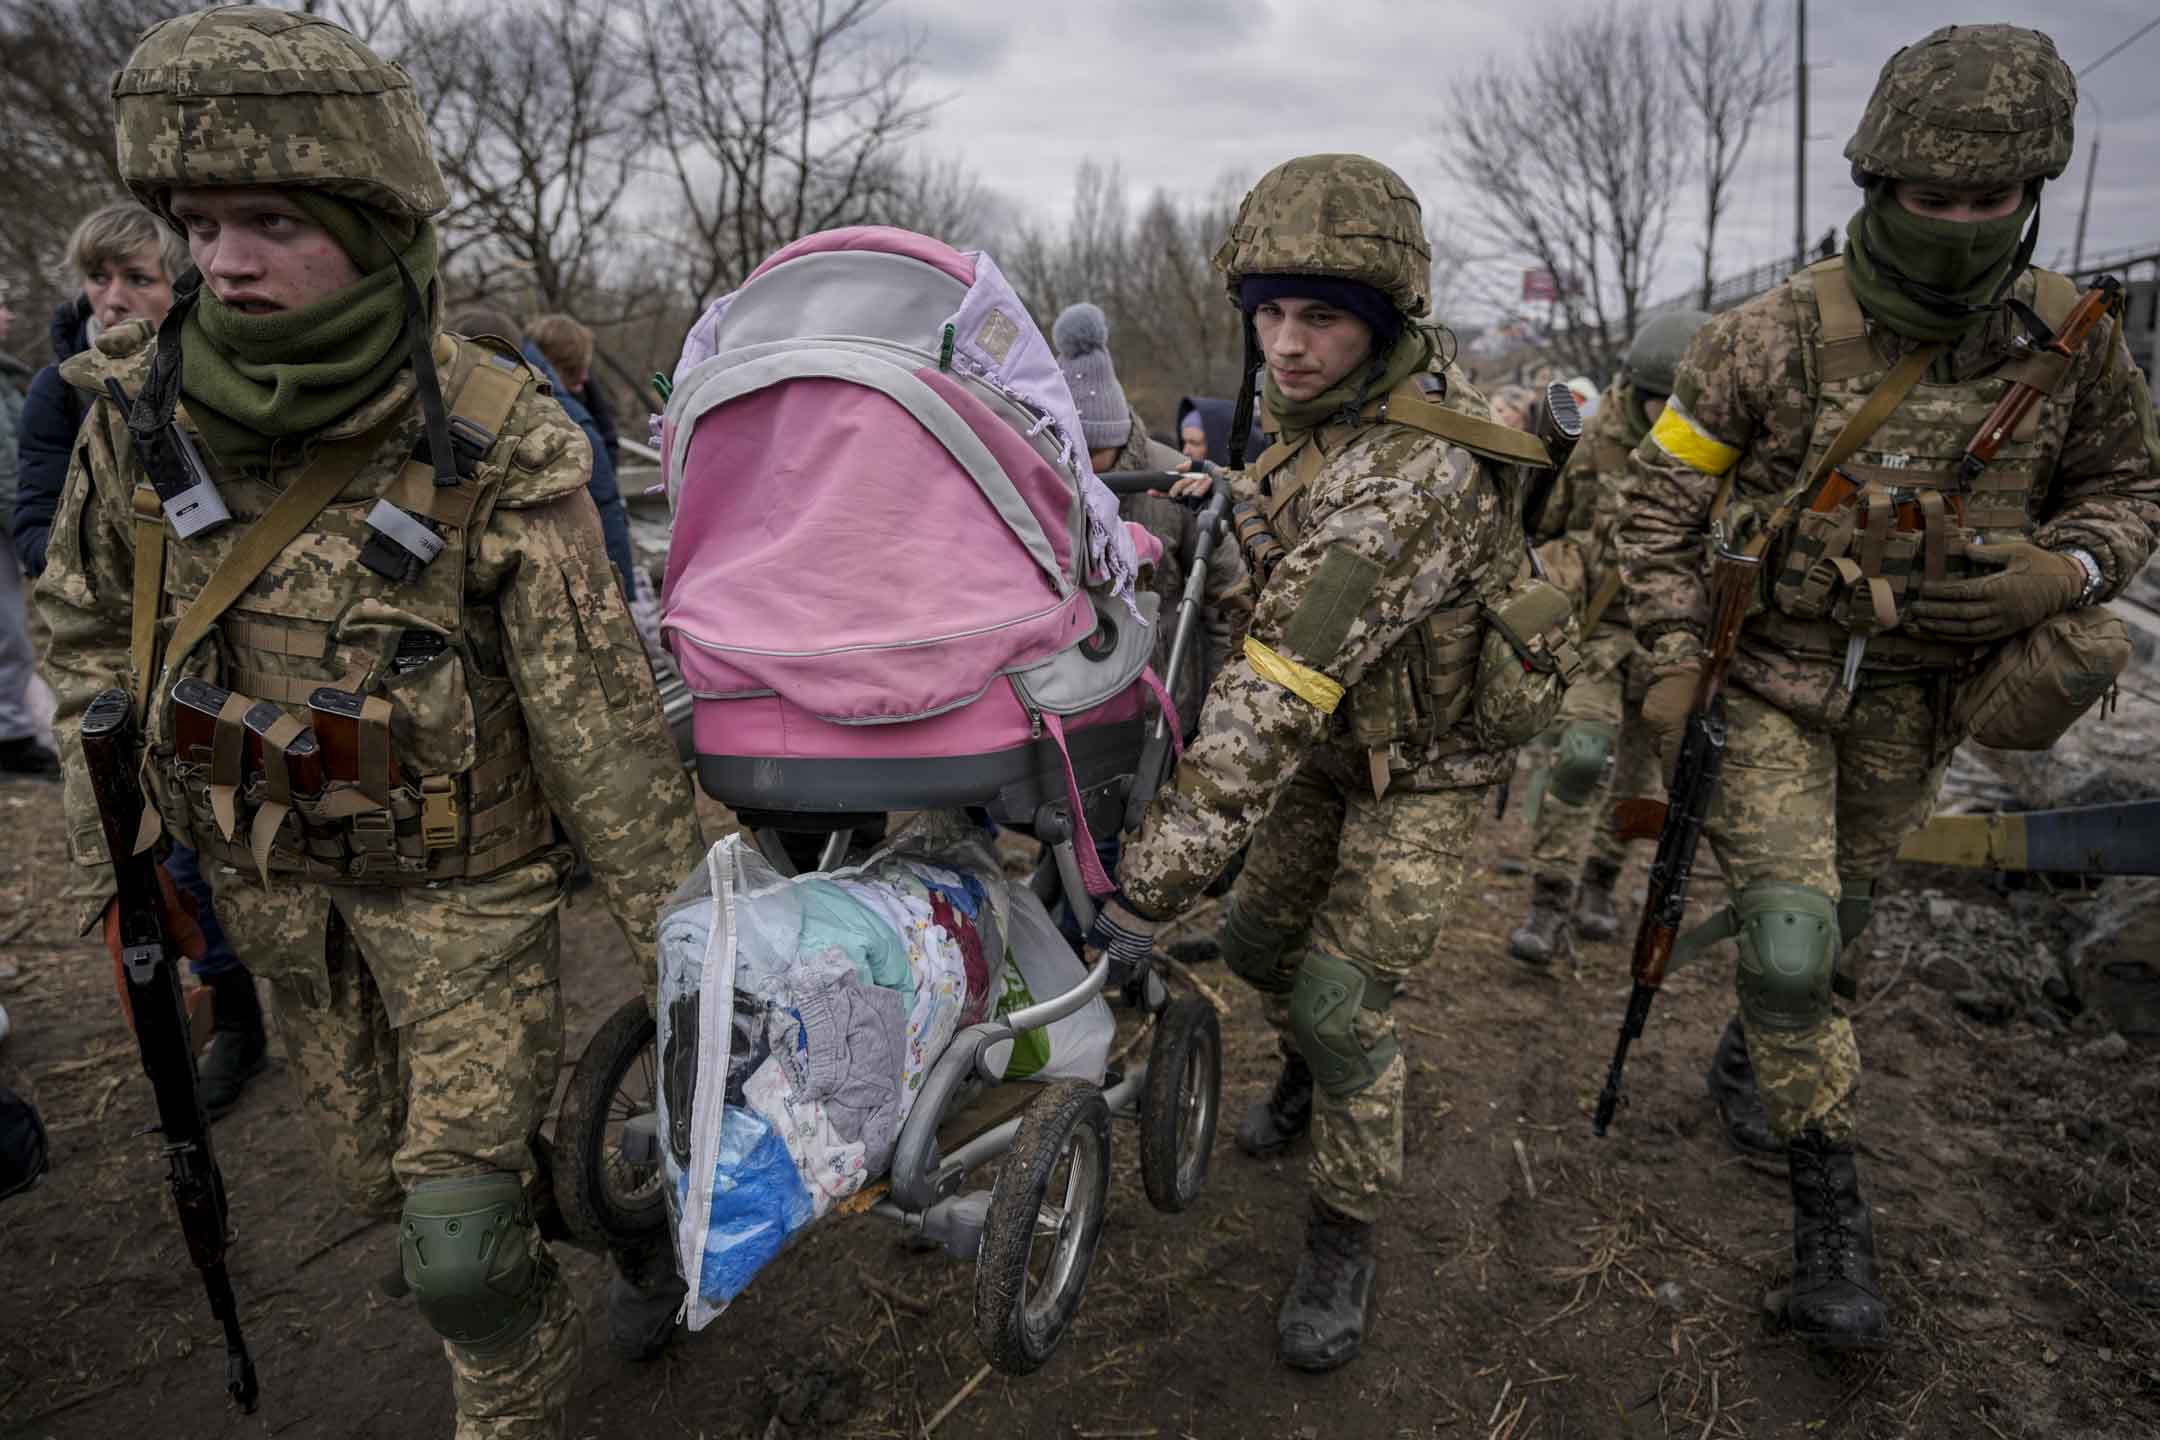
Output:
(2092, 307)
(149, 970)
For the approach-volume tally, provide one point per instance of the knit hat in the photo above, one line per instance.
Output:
(1082, 335)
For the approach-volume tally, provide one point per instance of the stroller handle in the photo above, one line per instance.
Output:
(1127, 483)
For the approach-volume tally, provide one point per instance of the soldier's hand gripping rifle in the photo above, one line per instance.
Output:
(1678, 822)
(149, 967)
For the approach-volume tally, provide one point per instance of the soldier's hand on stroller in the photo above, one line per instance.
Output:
(1197, 485)
(1124, 935)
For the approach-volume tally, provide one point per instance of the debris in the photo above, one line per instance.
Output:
(1670, 1296)
(2111, 1046)
(957, 1400)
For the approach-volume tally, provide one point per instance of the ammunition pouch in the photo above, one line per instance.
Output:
(1531, 652)
(2034, 686)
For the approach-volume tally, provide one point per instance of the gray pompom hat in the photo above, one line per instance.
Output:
(1081, 335)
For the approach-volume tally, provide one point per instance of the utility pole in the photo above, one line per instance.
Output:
(1799, 206)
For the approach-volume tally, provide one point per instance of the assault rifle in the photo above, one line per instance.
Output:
(148, 968)
(1557, 422)
(1678, 824)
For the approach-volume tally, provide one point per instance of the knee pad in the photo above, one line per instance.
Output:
(1788, 939)
(1324, 1006)
(1256, 952)
(1579, 760)
(468, 1258)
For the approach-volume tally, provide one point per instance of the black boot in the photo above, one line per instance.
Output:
(1731, 1082)
(1283, 1116)
(1595, 918)
(1543, 937)
(1836, 1299)
(28, 756)
(643, 1296)
(1322, 1321)
(238, 1049)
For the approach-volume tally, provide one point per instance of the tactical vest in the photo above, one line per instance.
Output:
(1856, 568)
(1415, 701)
(444, 785)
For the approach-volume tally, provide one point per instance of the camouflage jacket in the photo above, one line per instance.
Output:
(1226, 601)
(1575, 533)
(565, 652)
(1397, 525)
(1749, 395)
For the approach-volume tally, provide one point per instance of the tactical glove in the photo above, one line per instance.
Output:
(2029, 585)
(1665, 708)
(1124, 935)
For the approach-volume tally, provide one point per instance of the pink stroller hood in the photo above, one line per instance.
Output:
(879, 501)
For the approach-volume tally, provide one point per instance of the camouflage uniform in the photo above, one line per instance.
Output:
(1393, 526)
(417, 989)
(1821, 783)
(1606, 697)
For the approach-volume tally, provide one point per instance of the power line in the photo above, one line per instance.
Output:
(2146, 29)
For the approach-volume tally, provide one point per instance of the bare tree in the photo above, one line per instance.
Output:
(1731, 70)
(773, 119)
(1569, 153)
(538, 130)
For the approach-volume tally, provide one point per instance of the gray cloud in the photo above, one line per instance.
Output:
(1179, 94)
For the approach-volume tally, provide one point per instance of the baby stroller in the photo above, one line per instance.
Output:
(892, 587)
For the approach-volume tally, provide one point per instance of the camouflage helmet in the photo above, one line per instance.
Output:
(1343, 216)
(247, 95)
(1653, 356)
(1969, 105)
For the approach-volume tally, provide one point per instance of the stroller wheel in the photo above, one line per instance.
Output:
(1179, 1105)
(605, 1196)
(1045, 1220)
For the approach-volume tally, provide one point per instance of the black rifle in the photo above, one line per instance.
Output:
(1557, 423)
(1678, 824)
(148, 968)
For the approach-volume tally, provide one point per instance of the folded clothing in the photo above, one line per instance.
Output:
(758, 1201)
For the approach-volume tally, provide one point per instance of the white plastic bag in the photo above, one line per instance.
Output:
(1040, 965)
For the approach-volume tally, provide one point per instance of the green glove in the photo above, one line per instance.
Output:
(2029, 585)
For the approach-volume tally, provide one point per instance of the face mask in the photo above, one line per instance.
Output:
(1963, 259)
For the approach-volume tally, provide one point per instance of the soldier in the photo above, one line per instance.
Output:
(1322, 746)
(1603, 709)
(407, 922)
(1886, 359)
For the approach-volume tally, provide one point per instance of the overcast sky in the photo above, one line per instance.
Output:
(1182, 92)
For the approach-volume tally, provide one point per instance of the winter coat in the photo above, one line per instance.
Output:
(606, 494)
(52, 414)
(12, 375)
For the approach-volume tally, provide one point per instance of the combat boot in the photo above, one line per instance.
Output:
(238, 1049)
(643, 1297)
(1595, 918)
(1322, 1322)
(1543, 937)
(1731, 1082)
(1836, 1299)
(1283, 1116)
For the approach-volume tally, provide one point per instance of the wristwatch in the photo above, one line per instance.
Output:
(2094, 579)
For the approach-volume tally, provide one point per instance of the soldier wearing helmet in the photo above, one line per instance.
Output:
(1340, 746)
(1889, 617)
(409, 525)
(1601, 718)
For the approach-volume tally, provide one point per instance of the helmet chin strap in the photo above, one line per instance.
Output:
(1241, 411)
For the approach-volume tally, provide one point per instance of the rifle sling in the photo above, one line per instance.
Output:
(1608, 590)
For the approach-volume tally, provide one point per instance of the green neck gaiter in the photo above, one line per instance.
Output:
(1932, 279)
(1634, 424)
(253, 381)
(1411, 353)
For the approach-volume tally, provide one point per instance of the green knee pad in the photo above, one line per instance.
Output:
(1788, 939)
(468, 1258)
(1256, 953)
(1324, 1006)
(1579, 760)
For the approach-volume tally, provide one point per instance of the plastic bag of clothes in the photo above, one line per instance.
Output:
(798, 1019)
(1039, 965)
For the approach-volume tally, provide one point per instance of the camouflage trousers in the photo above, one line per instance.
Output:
(424, 1030)
(1810, 807)
(1371, 882)
(1609, 691)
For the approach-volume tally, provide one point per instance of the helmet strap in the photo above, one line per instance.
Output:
(419, 344)
(153, 408)
(1241, 411)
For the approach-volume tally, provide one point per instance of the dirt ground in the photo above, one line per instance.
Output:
(1536, 1283)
